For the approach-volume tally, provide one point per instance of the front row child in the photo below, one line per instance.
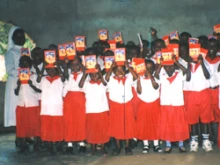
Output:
(52, 126)
(148, 110)
(121, 115)
(174, 126)
(96, 109)
(27, 110)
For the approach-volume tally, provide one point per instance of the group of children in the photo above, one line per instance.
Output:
(64, 102)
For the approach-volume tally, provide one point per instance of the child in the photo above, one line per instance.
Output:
(174, 126)
(122, 119)
(96, 110)
(52, 128)
(198, 103)
(213, 62)
(37, 55)
(27, 111)
(74, 109)
(148, 110)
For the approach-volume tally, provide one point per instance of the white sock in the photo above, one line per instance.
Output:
(145, 142)
(156, 142)
(205, 136)
(70, 144)
(135, 139)
(82, 144)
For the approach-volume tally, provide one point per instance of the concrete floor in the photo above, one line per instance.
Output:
(9, 156)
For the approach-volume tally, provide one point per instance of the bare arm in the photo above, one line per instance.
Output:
(139, 87)
(135, 76)
(18, 88)
(107, 77)
(34, 87)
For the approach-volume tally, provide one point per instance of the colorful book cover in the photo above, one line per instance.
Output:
(138, 64)
(158, 56)
(193, 40)
(174, 35)
(167, 55)
(118, 37)
(175, 48)
(25, 52)
(80, 42)
(108, 61)
(112, 44)
(24, 75)
(103, 35)
(120, 56)
(50, 57)
(90, 63)
(62, 51)
(212, 37)
(70, 50)
(216, 28)
(166, 40)
(194, 51)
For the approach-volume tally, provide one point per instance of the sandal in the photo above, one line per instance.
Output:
(168, 150)
(116, 151)
(145, 149)
(157, 149)
(182, 149)
(128, 151)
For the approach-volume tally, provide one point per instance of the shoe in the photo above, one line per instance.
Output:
(168, 150)
(116, 151)
(69, 150)
(157, 149)
(128, 151)
(145, 149)
(207, 145)
(182, 149)
(82, 149)
(194, 145)
(133, 143)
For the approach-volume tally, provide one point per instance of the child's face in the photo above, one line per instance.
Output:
(75, 66)
(94, 76)
(184, 52)
(24, 64)
(212, 48)
(158, 46)
(169, 69)
(38, 57)
(150, 68)
(52, 72)
(119, 71)
(134, 53)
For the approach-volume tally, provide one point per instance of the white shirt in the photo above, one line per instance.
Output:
(52, 100)
(213, 65)
(72, 85)
(172, 93)
(119, 92)
(148, 94)
(100, 62)
(27, 96)
(198, 82)
(96, 99)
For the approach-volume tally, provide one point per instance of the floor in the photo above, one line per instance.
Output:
(10, 156)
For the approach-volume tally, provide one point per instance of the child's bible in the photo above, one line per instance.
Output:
(118, 37)
(90, 63)
(103, 35)
(108, 62)
(80, 42)
(62, 51)
(25, 52)
(120, 56)
(24, 75)
(174, 35)
(193, 40)
(50, 58)
(216, 28)
(70, 50)
(139, 66)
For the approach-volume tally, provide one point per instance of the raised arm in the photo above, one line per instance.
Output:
(204, 69)
(139, 87)
(100, 74)
(34, 87)
(107, 77)
(135, 76)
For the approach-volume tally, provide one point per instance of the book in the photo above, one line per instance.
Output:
(194, 51)
(112, 44)
(174, 35)
(158, 56)
(90, 63)
(103, 35)
(138, 64)
(212, 37)
(175, 48)
(120, 56)
(24, 75)
(216, 28)
(25, 52)
(50, 57)
(80, 43)
(193, 41)
(62, 51)
(167, 55)
(118, 37)
(108, 61)
(70, 50)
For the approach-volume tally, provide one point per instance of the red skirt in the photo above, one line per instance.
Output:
(27, 122)
(74, 117)
(122, 120)
(97, 128)
(174, 126)
(52, 128)
(148, 121)
(215, 103)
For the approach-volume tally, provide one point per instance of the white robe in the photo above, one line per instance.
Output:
(12, 57)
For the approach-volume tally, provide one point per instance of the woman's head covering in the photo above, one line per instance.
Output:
(10, 34)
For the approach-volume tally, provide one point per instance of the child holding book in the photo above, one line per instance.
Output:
(96, 109)
(122, 118)
(27, 110)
